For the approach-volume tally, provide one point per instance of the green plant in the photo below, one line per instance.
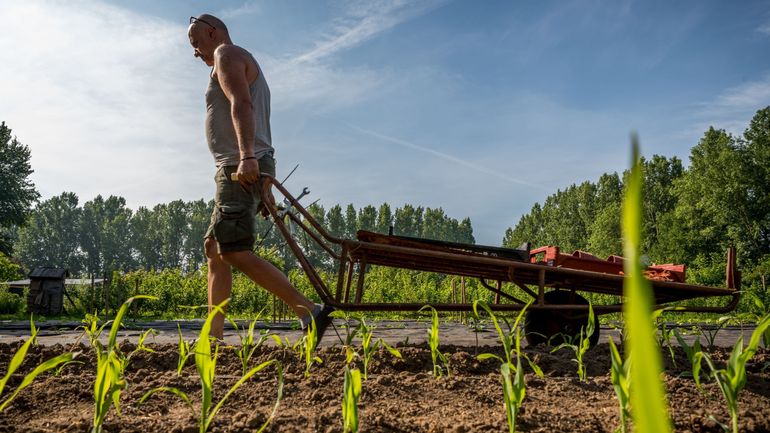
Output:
(622, 384)
(368, 348)
(184, 352)
(248, 344)
(110, 364)
(709, 332)
(308, 344)
(18, 358)
(476, 325)
(665, 333)
(440, 360)
(351, 394)
(514, 389)
(511, 340)
(205, 363)
(583, 344)
(648, 397)
(732, 379)
(756, 316)
(690, 351)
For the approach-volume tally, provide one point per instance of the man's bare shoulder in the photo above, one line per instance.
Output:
(230, 52)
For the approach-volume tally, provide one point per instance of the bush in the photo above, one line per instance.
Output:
(10, 303)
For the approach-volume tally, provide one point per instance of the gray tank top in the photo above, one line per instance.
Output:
(220, 133)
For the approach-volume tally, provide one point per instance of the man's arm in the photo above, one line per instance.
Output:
(231, 68)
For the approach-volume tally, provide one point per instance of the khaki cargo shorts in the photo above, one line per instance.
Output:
(233, 223)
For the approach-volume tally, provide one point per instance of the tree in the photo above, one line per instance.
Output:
(50, 237)
(144, 229)
(404, 223)
(384, 219)
(335, 222)
(367, 218)
(105, 235)
(17, 192)
(351, 222)
(199, 218)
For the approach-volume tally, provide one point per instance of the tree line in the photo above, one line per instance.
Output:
(104, 235)
(691, 215)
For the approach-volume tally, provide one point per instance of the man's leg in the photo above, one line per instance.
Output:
(220, 284)
(268, 276)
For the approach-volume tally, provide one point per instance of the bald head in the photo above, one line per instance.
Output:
(206, 33)
(207, 20)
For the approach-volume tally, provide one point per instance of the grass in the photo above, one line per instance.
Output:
(648, 397)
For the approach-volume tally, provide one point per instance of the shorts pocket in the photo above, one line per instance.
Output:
(233, 224)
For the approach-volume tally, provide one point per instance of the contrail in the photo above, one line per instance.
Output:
(447, 157)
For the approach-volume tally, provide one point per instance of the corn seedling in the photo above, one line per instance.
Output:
(582, 346)
(648, 398)
(622, 385)
(351, 394)
(17, 360)
(665, 334)
(440, 361)
(690, 351)
(367, 347)
(184, 352)
(476, 325)
(732, 379)
(308, 344)
(511, 340)
(205, 363)
(248, 343)
(514, 389)
(756, 316)
(710, 332)
(110, 365)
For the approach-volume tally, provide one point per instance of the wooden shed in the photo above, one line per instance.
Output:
(46, 290)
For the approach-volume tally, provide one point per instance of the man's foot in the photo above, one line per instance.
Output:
(323, 320)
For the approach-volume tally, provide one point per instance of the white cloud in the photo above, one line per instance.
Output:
(363, 21)
(311, 77)
(764, 28)
(734, 107)
(108, 101)
(247, 8)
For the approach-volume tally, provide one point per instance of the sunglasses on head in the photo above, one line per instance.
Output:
(194, 20)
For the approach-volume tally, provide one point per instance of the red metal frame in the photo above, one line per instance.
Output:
(485, 263)
(552, 256)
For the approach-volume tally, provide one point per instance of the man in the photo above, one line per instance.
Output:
(238, 133)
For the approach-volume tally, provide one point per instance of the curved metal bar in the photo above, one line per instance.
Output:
(317, 240)
(499, 292)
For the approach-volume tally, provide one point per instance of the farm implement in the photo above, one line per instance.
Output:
(551, 280)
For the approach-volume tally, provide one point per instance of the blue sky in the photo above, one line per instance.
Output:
(479, 107)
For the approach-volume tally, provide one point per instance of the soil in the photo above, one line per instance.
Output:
(398, 396)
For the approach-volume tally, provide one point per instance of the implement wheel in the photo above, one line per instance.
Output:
(552, 326)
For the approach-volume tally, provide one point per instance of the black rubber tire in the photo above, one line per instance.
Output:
(550, 326)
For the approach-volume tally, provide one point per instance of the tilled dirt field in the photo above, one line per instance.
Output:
(399, 395)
